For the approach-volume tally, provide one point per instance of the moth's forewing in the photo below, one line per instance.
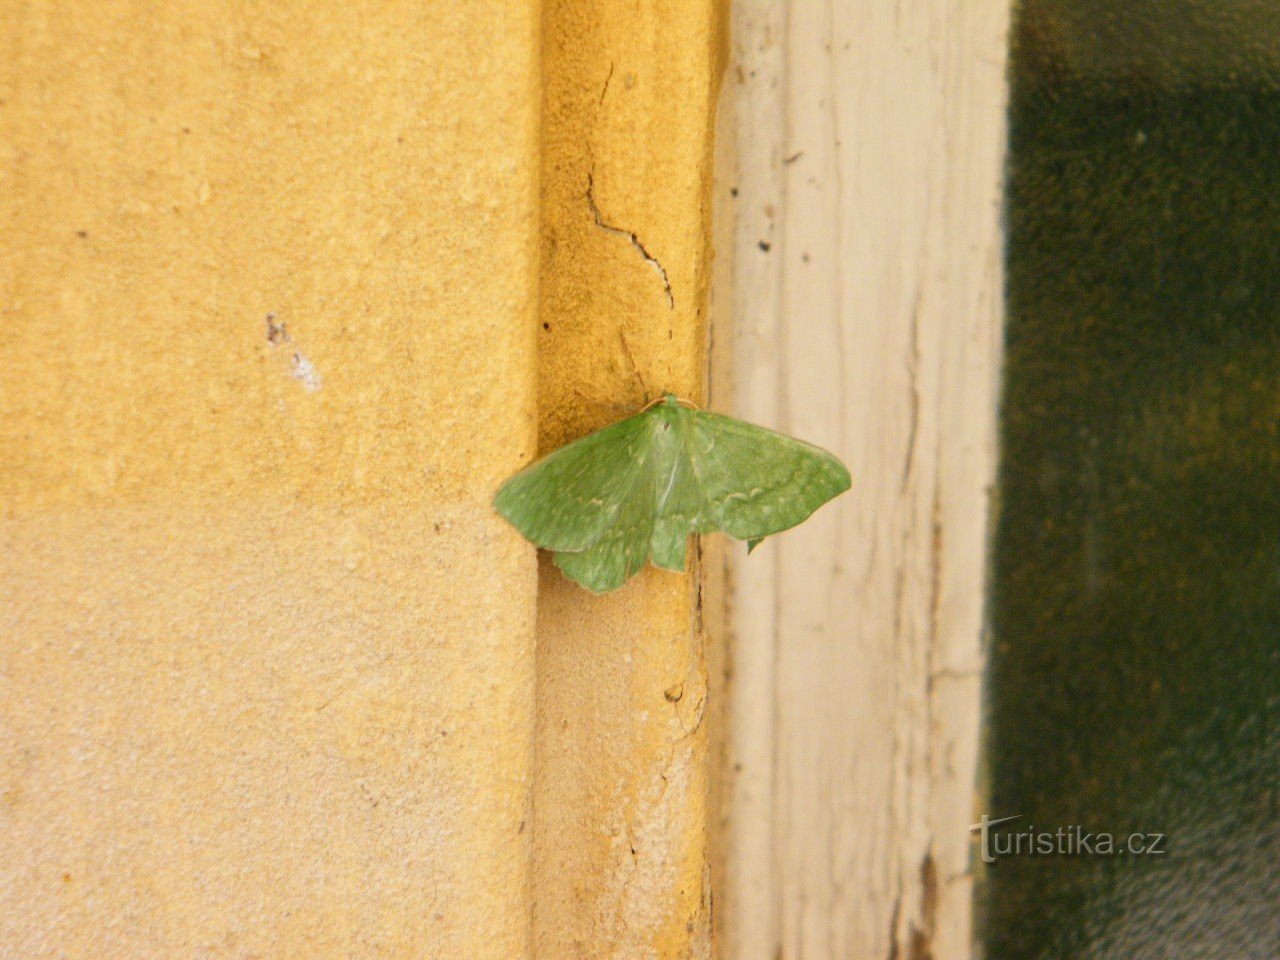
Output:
(760, 482)
(569, 498)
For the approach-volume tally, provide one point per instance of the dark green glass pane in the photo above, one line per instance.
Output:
(1135, 667)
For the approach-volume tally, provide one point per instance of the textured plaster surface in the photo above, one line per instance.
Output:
(266, 654)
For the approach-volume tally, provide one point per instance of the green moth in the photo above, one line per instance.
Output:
(635, 490)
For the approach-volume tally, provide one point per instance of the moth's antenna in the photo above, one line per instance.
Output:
(680, 400)
(635, 367)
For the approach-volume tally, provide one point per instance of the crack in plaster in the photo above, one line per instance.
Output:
(631, 235)
(604, 224)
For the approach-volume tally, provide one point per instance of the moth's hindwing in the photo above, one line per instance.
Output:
(681, 506)
(624, 547)
(641, 529)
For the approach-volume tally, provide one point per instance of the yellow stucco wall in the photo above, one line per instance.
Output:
(266, 653)
(268, 682)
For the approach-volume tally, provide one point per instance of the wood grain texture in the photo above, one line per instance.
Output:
(866, 297)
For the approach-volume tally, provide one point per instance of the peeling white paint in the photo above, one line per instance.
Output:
(865, 305)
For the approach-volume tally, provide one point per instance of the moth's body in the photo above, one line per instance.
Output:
(635, 490)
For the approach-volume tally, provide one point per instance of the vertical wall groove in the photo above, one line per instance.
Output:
(620, 849)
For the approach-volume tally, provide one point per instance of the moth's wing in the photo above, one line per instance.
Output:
(624, 547)
(760, 482)
(752, 544)
(681, 507)
(569, 498)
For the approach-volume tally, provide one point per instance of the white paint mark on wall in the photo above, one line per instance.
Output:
(305, 372)
(300, 368)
